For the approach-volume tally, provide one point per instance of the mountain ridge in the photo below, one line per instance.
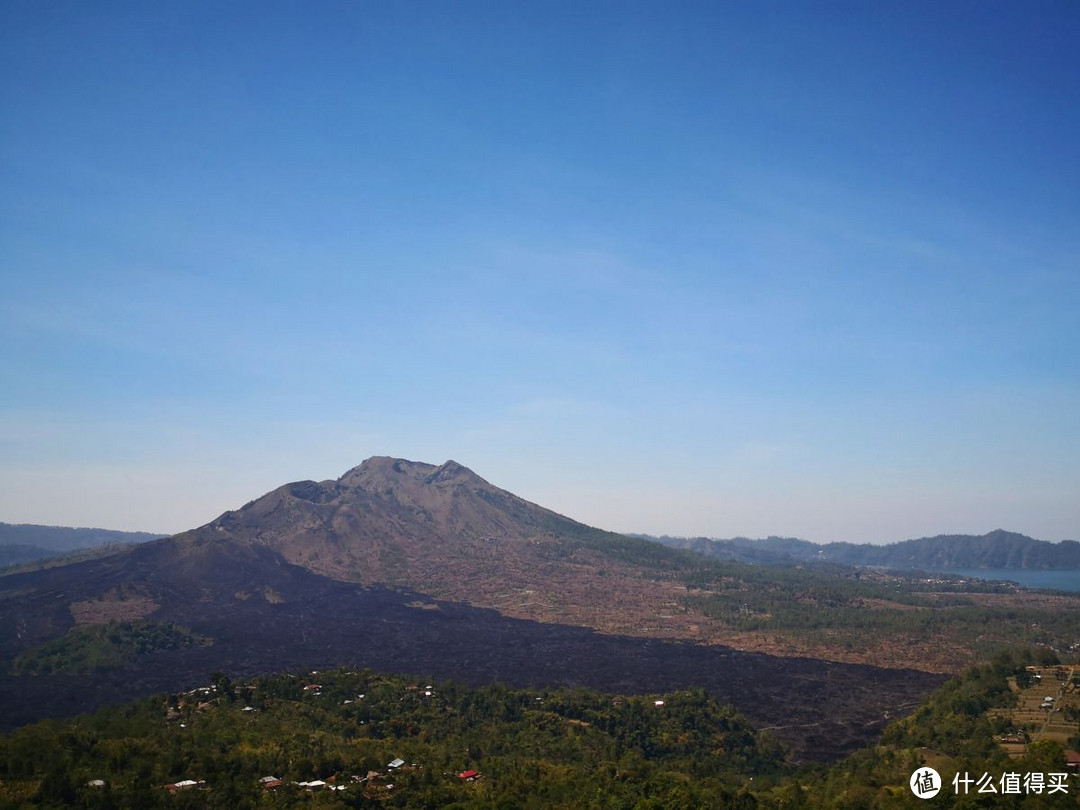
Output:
(996, 549)
(30, 542)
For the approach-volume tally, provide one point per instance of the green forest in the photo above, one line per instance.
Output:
(99, 647)
(528, 748)
(362, 739)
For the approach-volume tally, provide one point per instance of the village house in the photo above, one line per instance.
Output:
(1015, 739)
(185, 784)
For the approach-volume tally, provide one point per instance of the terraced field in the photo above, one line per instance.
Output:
(1047, 708)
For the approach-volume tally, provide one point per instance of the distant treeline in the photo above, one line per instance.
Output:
(998, 549)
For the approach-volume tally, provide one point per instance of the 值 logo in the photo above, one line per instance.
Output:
(925, 783)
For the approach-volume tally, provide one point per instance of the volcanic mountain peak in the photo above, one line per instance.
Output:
(379, 473)
(442, 531)
(401, 522)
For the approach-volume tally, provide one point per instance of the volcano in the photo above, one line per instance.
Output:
(412, 567)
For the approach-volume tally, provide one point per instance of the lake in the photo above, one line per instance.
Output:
(1029, 578)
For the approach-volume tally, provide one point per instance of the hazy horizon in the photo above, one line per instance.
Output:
(624, 531)
(798, 269)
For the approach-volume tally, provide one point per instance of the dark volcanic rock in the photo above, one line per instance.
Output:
(822, 710)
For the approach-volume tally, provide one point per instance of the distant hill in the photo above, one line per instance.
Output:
(26, 542)
(997, 549)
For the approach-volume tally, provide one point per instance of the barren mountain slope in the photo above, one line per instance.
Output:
(447, 532)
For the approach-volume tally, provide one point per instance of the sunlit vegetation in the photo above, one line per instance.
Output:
(364, 739)
(833, 607)
(525, 748)
(955, 731)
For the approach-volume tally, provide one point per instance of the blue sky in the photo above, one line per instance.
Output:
(732, 268)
